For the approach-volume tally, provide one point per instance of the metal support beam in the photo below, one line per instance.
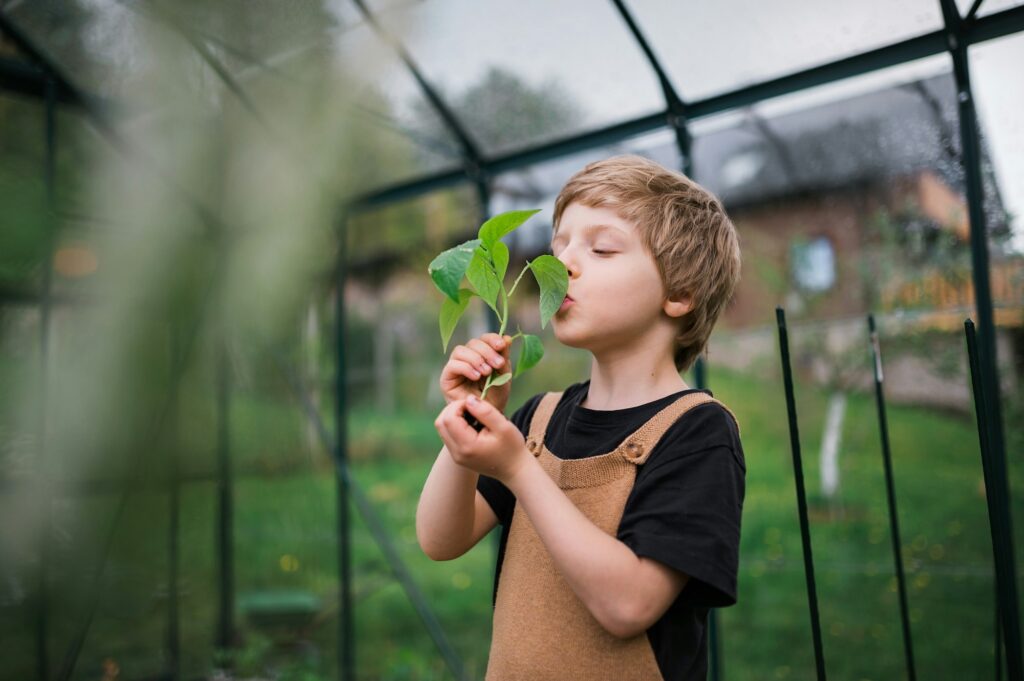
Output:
(43, 463)
(346, 620)
(225, 506)
(30, 79)
(1006, 570)
(675, 109)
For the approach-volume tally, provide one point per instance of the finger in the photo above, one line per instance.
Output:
(492, 357)
(499, 343)
(485, 413)
(459, 368)
(442, 423)
(458, 428)
(472, 358)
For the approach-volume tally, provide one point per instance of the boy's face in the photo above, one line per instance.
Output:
(618, 297)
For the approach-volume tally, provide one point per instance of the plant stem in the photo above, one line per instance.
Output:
(503, 318)
(490, 377)
(516, 282)
(504, 312)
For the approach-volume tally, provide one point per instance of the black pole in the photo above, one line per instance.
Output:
(346, 628)
(376, 528)
(987, 364)
(998, 636)
(45, 308)
(801, 497)
(998, 507)
(894, 526)
(174, 503)
(127, 486)
(225, 543)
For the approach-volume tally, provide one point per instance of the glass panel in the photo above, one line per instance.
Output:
(96, 44)
(993, 67)
(81, 150)
(402, 132)
(408, 229)
(22, 189)
(255, 30)
(706, 51)
(8, 50)
(519, 77)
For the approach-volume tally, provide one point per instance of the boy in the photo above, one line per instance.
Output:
(620, 498)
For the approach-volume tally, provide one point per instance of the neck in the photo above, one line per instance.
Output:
(630, 378)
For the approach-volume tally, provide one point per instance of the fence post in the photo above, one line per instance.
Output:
(801, 496)
(883, 427)
(998, 512)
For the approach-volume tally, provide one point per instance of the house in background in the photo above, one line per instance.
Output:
(843, 208)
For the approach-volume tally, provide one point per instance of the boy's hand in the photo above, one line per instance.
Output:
(498, 451)
(467, 370)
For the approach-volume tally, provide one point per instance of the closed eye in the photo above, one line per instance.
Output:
(600, 252)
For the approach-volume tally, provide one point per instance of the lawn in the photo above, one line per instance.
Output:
(285, 529)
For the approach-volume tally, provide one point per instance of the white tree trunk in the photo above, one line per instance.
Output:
(384, 364)
(312, 348)
(830, 443)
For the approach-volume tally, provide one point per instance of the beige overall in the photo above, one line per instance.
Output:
(542, 630)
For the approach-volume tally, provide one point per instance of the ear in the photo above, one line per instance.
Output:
(678, 306)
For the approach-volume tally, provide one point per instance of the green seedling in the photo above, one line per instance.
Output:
(483, 262)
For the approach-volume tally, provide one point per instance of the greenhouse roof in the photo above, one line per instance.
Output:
(631, 68)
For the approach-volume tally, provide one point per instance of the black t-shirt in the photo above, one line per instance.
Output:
(684, 510)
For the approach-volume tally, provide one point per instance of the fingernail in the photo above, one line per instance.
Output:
(472, 399)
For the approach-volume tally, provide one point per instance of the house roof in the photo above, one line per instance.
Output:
(756, 156)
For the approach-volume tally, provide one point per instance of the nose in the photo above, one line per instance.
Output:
(569, 262)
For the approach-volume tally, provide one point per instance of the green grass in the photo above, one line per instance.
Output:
(285, 529)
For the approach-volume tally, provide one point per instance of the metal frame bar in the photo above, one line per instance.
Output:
(997, 504)
(991, 415)
(42, 600)
(350, 488)
(225, 503)
(30, 79)
(473, 162)
(801, 495)
(346, 620)
(890, 489)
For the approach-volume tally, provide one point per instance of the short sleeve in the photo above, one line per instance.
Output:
(686, 505)
(497, 495)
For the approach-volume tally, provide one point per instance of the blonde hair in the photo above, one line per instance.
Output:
(681, 224)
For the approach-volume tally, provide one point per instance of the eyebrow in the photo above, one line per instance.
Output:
(595, 228)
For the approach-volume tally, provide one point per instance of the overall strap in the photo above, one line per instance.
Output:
(638, 446)
(540, 420)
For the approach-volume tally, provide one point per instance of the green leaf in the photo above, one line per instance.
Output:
(500, 225)
(499, 254)
(502, 379)
(553, 279)
(450, 314)
(481, 275)
(530, 352)
(448, 268)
